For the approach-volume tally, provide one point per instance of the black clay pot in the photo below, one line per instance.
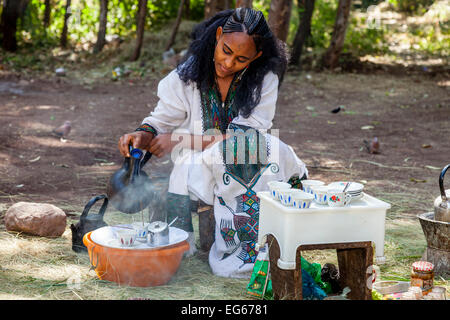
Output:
(88, 222)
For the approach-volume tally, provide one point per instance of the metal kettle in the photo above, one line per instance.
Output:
(441, 203)
(129, 188)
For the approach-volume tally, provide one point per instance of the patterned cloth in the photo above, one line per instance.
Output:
(215, 115)
(233, 192)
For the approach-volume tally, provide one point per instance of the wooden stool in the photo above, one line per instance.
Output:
(354, 259)
(206, 225)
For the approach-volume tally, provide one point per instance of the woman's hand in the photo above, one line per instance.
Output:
(138, 139)
(164, 143)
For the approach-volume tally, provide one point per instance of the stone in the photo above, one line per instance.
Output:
(40, 219)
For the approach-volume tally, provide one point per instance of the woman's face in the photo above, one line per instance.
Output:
(234, 51)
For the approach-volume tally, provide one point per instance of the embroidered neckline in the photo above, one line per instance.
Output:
(215, 113)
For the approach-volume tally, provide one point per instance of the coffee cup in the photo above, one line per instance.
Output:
(320, 194)
(126, 237)
(337, 198)
(309, 184)
(285, 196)
(141, 230)
(277, 186)
(301, 199)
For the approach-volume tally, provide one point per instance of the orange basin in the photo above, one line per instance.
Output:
(135, 268)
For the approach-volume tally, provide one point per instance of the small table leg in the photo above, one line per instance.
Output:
(353, 267)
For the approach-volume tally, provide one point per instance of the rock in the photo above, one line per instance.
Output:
(40, 219)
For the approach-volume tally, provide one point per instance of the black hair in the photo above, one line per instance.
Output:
(197, 65)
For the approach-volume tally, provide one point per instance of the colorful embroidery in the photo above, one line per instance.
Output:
(246, 227)
(245, 153)
(248, 253)
(248, 203)
(227, 232)
(215, 114)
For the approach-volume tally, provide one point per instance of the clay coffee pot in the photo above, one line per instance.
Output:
(88, 222)
(129, 189)
(442, 203)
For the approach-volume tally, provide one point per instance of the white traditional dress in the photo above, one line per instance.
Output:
(231, 174)
(183, 108)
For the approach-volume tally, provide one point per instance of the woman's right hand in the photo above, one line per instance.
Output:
(138, 139)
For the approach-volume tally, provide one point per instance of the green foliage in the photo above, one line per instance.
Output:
(322, 22)
(411, 6)
(362, 39)
(432, 39)
(197, 10)
(263, 6)
(84, 20)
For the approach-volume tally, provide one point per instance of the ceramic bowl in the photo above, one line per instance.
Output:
(308, 184)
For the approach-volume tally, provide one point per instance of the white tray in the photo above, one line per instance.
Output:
(361, 220)
(105, 236)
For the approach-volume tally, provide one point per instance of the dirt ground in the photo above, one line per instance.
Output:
(409, 113)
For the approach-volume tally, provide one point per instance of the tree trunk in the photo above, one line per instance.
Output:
(304, 29)
(47, 12)
(279, 16)
(102, 26)
(175, 27)
(187, 9)
(10, 14)
(244, 3)
(331, 57)
(67, 14)
(141, 15)
(214, 6)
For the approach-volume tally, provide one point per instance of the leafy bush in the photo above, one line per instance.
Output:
(84, 20)
(362, 38)
(411, 6)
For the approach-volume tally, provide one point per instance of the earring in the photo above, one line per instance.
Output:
(242, 73)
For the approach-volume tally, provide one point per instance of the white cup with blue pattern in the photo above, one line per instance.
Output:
(141, 230)
(276, 187)
(301, 199)
(286, 196)
(320, 194)
(309, 184)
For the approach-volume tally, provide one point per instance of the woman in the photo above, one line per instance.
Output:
(230, 74)
(231, 186)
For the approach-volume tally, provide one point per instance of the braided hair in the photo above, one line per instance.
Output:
(197, 66)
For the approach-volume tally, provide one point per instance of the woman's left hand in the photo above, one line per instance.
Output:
(162, 144)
